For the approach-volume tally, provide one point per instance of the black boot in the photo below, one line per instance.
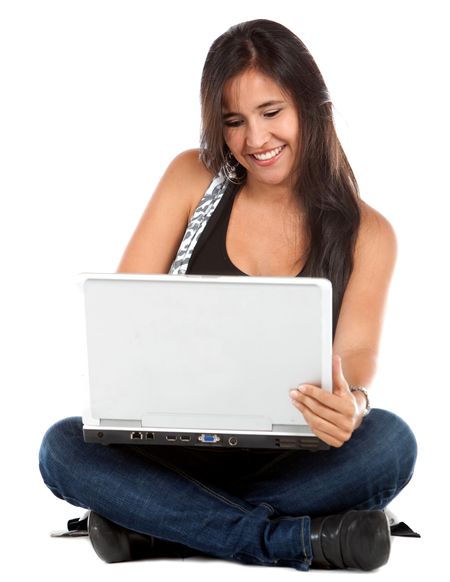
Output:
(113, 543)
(356, 539)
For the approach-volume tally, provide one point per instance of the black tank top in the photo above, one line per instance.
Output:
(210, 255)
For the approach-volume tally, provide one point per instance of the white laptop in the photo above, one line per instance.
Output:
(204, 361)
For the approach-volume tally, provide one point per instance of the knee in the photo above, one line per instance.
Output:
(397, 443)
(57, 448)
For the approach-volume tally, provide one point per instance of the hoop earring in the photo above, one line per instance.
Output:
(229, 169)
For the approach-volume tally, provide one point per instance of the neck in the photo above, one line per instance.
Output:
(268, 193)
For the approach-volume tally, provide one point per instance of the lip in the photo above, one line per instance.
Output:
(269, 162)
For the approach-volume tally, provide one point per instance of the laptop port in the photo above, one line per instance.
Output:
(150, 436)
(232, 441)
(288, 442)
(136, 435)
(185, 438)
(171, 437)
(209, 438)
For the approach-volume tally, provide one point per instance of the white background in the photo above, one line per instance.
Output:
(96, 98)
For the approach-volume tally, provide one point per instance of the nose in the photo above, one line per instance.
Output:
(256, 134)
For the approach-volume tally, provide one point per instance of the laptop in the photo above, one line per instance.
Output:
(204, 361)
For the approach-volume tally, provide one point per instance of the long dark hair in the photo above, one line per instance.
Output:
(324, 180)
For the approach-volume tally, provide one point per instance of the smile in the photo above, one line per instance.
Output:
(268, 155)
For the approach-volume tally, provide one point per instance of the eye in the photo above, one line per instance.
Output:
(272, 113)
(233, 123)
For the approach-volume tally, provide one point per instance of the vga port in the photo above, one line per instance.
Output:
(209, 438)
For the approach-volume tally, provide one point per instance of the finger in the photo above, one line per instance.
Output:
(330, 440)
(342, 419)
(340, 385)
(325, 426)
(329, 400)
(326, 430)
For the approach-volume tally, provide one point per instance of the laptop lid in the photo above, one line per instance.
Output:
(189, 354)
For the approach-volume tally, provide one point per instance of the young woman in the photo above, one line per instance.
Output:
(269, 193)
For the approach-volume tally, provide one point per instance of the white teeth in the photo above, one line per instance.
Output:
(268, 155)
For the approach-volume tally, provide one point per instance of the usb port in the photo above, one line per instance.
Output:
(185, 438)
(171, 437)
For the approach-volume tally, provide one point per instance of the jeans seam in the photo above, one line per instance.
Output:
(307, 554)
(385, 493)
(268, 506)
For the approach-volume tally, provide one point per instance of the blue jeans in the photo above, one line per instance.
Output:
(249, 506)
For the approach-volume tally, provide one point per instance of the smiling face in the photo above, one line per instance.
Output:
(261, 128)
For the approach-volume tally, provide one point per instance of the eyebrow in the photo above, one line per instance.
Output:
(262, 106)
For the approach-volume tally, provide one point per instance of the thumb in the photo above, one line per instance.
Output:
(340, 385)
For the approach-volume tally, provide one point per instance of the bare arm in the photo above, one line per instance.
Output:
(334, 417)
(360, 321)
(154, 244)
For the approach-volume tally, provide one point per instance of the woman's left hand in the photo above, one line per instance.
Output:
(332, 416)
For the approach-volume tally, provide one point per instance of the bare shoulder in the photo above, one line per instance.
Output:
(155, 241)
(188, 162)
(187, 177)
(376, 237)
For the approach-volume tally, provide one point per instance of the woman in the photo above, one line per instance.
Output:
(270, 193)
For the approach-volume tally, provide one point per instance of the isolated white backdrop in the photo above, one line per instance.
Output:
(98, 96)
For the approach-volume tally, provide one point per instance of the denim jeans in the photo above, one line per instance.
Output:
(249, 506)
